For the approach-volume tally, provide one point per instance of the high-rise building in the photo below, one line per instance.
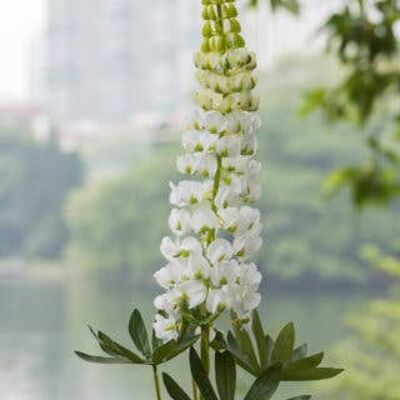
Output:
(111, 59)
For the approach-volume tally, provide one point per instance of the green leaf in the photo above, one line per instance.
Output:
(284, 344)
(172, 349)
(173, 389)
(241, 358)
(299, 352)
(101, 360)
(155, 341)
(261, 341)
(270, 348)
(137, 330)
(246, 346)
(316, 374)
(305, 397)
(117, 349)
(266, 385)
(218, 343)
(200, 376)
(225, 375)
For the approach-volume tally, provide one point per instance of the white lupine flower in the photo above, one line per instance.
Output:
(230, 218)
(190, 192)
(218, 299)
(192, 292)
(166, 328)
(203, 219)
(165, 302)
(227, 197)
(170, 275)
(213, 121)
(225, 273)
(198, 268)
(220, 250)
(215, 231)
(247, 245)
(228, 146)
(171, 250)
(199, 141)
(249, 275)
(179, 221)
(248, 144)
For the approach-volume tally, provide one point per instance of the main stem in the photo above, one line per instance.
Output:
(157, 382)
(205, 348)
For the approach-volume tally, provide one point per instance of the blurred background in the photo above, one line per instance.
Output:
(94, 95)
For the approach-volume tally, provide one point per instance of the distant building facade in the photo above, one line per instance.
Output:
(111, 60)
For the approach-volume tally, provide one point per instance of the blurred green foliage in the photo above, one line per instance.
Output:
(119, 223)
(34, 181)
(372, 354)
(290, 5)
(362, 37)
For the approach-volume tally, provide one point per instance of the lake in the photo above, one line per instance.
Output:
(42, 323)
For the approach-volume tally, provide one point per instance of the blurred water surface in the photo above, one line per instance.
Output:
(42, 323)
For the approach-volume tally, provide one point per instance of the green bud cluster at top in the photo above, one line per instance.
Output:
(224, 64)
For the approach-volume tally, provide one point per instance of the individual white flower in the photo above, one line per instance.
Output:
(198, 267)
(206, 165)
(248, 144)
(227, 197)
(228, 146)
(170, 274)
(246, 245)
(213, 121)
(199, 141)
(181, 249)
(203, 218)
(237, 165)
(230, 218)
(225, 273)
(187, 164)
(179, 221)
(192, 292)
(218, 299)
(190, 192)
(248, 221)
(166, 328)
(246, 299)
(165, 302)
(220, 250)
(249, 275)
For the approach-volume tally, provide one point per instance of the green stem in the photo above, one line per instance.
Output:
(205, 348)
(157, 382)
(194, 390)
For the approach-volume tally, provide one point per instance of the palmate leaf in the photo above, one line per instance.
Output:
(118, 349)
(172, 349)
(173, 389)
(225, 370)
(266, 385)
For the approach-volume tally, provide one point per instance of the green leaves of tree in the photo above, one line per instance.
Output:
(155, 354)
(363, 39)
(292, 6)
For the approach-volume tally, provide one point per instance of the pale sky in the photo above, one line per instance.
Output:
(20, 22)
